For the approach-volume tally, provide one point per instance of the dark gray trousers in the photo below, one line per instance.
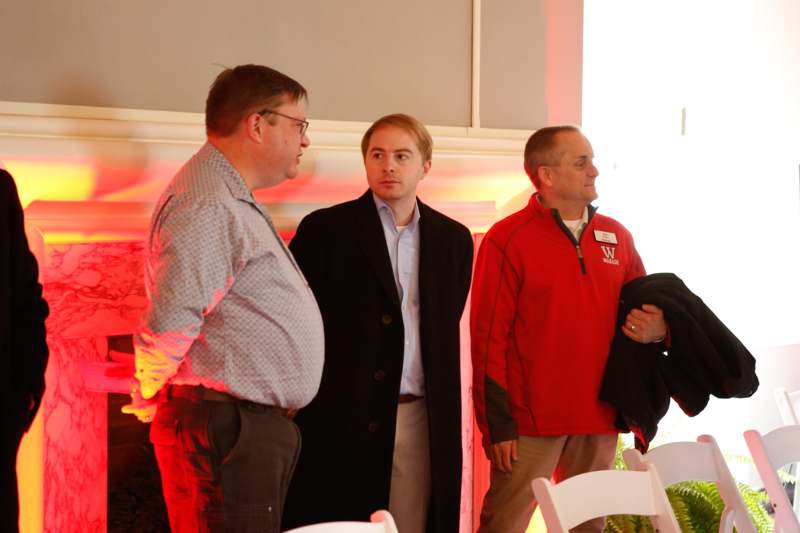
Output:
(225, 466)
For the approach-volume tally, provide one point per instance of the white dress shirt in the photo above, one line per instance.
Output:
(403, 243)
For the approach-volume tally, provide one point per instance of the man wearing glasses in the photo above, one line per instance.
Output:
(391, 276)
(232, 341)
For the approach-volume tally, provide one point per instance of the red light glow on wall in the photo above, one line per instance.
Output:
(43, 180)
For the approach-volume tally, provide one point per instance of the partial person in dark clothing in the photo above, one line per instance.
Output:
(23, 349)
(704, 358)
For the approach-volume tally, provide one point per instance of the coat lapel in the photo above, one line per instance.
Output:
(373, 242)
(428, 273)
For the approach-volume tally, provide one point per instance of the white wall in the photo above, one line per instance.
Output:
(714, 198)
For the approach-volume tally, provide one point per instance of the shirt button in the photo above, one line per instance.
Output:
(379, 375)
(374, 426)
(386, 319)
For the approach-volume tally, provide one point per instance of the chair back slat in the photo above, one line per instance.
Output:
(603, 493)
(679, 461)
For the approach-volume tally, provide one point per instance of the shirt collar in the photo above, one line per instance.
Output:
(585, 216)
(232, 178)
(385, 211)
(536, 204)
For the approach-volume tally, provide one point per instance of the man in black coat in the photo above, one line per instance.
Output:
(23, 350)
(391, 277)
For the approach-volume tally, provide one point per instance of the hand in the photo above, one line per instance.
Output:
(645, 325)
(502, 454)
(143, 409)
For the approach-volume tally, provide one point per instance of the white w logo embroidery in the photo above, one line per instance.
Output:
(608, 251)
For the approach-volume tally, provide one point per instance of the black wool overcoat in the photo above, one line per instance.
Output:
(348, 430)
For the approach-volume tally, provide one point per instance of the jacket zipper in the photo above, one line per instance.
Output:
(572, 238)
(580, 258)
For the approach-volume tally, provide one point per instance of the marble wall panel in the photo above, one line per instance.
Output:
(75, 434)
(94, 290)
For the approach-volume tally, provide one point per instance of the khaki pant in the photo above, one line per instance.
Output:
(509, 503)
(411, 468)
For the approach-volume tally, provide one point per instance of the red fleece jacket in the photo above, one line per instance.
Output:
(542, 319)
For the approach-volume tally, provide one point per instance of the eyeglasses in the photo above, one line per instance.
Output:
(303, 123)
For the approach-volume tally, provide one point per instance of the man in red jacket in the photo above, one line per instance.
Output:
(544, 305)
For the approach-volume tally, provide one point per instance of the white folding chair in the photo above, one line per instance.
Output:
(697, 461)
(771, 452)
(788, 405)
(789, 408)
(604, 493)
(380, 522)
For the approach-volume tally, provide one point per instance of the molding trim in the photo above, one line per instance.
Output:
(63, 122)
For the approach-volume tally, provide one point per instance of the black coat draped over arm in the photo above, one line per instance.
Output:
(703, 358)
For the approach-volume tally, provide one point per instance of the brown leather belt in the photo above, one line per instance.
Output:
(408, 398)
(198, 392)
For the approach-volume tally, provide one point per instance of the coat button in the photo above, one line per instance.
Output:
(374, 426)
(379, 375)
(386, 319)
